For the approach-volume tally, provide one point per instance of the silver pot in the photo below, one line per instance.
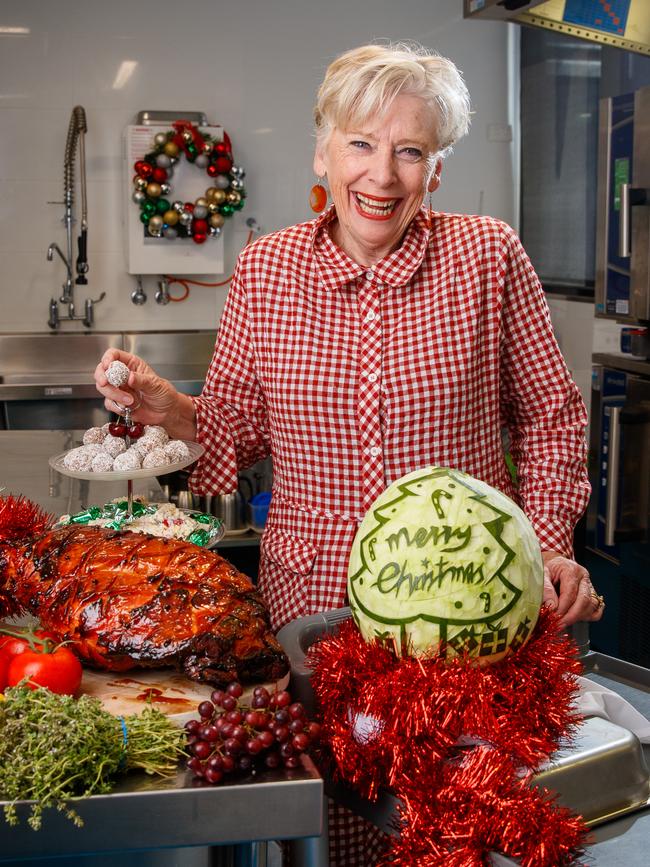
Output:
(230, 508)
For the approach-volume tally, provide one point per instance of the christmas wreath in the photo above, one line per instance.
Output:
(197, 220)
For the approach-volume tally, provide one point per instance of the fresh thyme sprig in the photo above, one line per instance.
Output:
(55, 748)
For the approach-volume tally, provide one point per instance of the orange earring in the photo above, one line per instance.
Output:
(318, 197)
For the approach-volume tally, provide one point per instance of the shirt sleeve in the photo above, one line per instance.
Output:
(541, 408)
(231, 416)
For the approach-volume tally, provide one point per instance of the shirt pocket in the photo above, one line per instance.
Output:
(290, 552)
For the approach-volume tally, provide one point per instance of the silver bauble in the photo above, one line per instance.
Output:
(237, 172)
(163, 161)
(222, 182)
(185, 218)
(215, 231)
(202, 161)
(170, 232)
(140, 183)
(165, 189)
(200, 212)
(178, 206)
(155, 233)
(237, 184)
(138, 197)
(160, 138)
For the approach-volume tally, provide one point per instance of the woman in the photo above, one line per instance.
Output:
(379, 338)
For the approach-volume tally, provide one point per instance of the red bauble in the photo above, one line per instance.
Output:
(143, 169)
(220, 148)
(189, 206)
(159, 175)
(212, 170)
(223, 164)
(200, 227)
(199, 238)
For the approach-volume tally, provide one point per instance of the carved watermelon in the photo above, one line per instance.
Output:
(444, 558)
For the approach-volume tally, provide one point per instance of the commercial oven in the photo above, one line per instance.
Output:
(618, 523)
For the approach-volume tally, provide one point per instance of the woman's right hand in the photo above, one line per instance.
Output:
(160, 404)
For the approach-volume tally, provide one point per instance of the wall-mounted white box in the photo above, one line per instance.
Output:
(147, 255)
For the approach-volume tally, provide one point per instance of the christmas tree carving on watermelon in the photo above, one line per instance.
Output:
(444, 562)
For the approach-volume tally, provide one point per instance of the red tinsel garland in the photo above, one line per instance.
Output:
(20, 519)
(457, 743)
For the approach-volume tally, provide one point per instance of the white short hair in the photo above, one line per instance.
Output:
(364, 82)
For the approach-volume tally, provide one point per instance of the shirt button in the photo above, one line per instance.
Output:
(370, 316)
(372, 377)
(370, 275)
(374, 451)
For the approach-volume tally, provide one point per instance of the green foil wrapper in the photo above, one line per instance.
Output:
(118, 517)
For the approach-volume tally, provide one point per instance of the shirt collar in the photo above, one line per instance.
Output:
(335, 268)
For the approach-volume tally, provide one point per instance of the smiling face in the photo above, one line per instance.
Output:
(378, 175)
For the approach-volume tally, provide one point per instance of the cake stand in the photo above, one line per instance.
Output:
(195, 452)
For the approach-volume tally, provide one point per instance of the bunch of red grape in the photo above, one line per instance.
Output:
(232, 738)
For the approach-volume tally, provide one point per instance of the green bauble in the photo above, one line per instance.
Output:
(162, 205)
(148, 208)
(226, 210)
(444, 561)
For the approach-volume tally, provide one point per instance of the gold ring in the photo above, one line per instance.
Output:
(598, 599)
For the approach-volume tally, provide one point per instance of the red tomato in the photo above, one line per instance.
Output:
(60, 671)
(11, 645)
(4, 665)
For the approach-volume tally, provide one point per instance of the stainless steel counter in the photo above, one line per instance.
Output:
(145, 814)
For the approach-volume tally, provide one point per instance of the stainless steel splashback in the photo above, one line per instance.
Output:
(46, 380)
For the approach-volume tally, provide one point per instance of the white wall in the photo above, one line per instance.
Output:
(252, 66)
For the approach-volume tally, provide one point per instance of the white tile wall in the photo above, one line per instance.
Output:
(254, 67)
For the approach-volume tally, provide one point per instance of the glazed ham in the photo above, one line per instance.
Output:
(128, 600)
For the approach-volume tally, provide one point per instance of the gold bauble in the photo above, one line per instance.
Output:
(171, 149)
(160, 138)
(207, 147)
(170, 217)
(156, 223)
(216, 221)
(140, 184)
(153, 190)
(202, 202)
(233, 197)
(219, 197)
(209, 193)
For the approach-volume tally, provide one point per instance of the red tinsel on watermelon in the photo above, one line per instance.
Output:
(457, 743)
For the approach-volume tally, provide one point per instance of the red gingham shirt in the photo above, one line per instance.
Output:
(350, 377)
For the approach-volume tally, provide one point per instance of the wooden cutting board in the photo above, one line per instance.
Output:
(128, 692)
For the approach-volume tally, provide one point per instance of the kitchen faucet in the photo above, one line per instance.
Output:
(76, 132)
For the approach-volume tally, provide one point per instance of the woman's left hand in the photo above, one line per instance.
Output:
(569, 591)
